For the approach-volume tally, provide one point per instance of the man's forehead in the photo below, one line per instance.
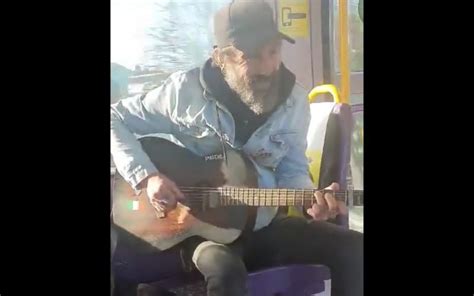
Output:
(275, 43)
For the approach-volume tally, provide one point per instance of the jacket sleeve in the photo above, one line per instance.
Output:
(138, 116)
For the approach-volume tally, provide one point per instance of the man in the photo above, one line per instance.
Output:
(243, 96)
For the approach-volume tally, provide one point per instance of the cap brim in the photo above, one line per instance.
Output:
(253, 41)
(287, 38)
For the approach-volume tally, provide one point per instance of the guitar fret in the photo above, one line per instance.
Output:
(307, 196)
(233, 196)
(226, 196)
(220, 196)
(222, 199)
(248, 196)
(251, 198)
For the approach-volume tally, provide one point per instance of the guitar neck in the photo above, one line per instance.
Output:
(235, 196)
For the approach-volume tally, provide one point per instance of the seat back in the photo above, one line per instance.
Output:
(329, 140)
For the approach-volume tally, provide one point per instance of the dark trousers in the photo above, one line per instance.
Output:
(287, 241)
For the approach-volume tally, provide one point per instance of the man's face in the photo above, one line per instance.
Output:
(254, 78)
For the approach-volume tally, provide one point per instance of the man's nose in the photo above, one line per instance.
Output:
(268, 65)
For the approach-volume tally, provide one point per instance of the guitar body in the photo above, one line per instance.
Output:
(133, 212)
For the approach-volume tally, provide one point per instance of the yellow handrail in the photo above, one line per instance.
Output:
(322, 89)
(344, 62)
(344, 59)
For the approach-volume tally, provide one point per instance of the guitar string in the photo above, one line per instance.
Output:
(199, 198)
(229, 189)
(196, 195)
(273, 191)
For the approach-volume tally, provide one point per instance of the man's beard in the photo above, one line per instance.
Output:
(259, 94)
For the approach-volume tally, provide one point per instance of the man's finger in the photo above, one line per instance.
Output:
(171, 199)
(165, 198)
(317, 213)
(333, 187)
(321, 201)
(332, 204)
(159, 207)
(177, 193)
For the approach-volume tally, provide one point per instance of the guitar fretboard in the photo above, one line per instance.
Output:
(235, 196)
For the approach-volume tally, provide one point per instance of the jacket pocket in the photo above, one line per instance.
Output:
(273, 148)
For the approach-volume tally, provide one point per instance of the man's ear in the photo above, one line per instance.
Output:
(216, 57)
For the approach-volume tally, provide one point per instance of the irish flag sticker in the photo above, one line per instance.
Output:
(134, 205)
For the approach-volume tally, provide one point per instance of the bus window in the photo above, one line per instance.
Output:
(356, 95)
(154, 38)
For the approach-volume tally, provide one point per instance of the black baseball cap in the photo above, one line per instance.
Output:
(247, 25)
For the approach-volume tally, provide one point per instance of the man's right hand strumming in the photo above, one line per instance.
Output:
(162, 193)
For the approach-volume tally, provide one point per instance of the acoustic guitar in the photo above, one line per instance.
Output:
(219, 195)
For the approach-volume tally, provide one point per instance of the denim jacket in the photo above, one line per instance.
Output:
(182, 107)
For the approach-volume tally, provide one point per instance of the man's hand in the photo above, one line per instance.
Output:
(326, 206)
(162, 193)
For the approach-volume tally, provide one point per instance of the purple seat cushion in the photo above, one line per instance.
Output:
(289, 280)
